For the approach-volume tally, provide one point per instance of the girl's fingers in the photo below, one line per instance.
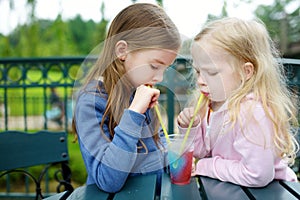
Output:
(196, 120)
(185, 117)
(144, 98)
(183, 121)
(193, 168)
(153, 103)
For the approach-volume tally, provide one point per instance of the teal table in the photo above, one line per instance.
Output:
(143, 188)
(277, 190)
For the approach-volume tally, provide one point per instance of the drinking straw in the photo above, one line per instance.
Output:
(175, 164)
(162, 124)
(191, 123)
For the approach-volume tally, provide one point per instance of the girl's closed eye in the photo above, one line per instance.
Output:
(154, 66)
(212, 73)
(197, 71)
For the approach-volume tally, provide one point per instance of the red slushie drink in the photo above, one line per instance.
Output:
(181, 167)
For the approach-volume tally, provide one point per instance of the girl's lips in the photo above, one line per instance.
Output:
(149, 85)
(205, 93)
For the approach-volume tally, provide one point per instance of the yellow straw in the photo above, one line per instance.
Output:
(191, 123)
(162, 124)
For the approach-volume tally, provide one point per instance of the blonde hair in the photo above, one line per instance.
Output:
(142, 26)
(249, 41)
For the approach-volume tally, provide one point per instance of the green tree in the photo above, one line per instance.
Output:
(56, 40)
(159, 2)
(224, 13)
(283, 22)
(101, 27)
(31, 32)
(5, 47)
(82, 34)
(52, 38)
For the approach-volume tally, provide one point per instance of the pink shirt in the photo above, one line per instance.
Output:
(243, 154)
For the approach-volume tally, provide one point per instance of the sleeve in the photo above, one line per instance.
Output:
(108, 162)
(201, 142)
(254, 165)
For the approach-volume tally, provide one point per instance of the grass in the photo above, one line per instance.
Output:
(34, 102)
(36, 93)
(76, 162)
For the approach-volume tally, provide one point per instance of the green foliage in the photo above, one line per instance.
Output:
(34, 100)
(42, 38)
(224, 13)
(159, 2)
(77, 166)
(283, 22)
(34, 105)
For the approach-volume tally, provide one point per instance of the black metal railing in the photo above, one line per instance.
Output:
(25, 85)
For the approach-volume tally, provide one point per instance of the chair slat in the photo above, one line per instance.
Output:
(21, 149)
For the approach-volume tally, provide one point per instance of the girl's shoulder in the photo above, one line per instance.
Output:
(95, 88)
(251, 100)
(252, 106)
(92, 94)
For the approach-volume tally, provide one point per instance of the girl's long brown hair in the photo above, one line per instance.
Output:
(142, 26)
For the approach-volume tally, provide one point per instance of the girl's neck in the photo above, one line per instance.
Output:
(215, 106)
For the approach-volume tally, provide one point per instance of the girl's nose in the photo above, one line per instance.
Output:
(158, 77)
(201, 81)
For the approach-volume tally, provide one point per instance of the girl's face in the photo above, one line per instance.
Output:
(148, 66)
(216, 76)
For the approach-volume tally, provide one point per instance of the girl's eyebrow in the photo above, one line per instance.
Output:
(159, 61)
(205, 67)
(198, 67)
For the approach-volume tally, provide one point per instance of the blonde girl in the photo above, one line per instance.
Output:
(244, 131)
(117, 131)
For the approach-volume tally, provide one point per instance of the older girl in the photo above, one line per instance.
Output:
(117, 130)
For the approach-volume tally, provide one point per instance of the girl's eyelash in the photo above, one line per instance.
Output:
(212, 73)
(154, 67)
(197, 71)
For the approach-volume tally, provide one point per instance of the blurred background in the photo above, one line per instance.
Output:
(39, 28)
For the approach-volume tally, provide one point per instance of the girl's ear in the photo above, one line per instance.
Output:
(248, 70)
(121, 49)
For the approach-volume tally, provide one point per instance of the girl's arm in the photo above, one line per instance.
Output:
(108, 163)
(250, 161)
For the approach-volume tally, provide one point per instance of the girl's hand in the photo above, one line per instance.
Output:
(145, 97)
(185, 116)
(193, 167)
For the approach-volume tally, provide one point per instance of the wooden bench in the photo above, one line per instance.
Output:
(21, 150)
